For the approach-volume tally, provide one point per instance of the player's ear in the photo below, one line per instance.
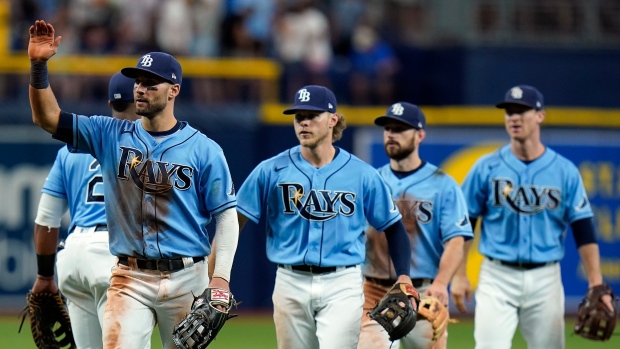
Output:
(421, 134)
(541, 116)
(174, 91)
(333, 119)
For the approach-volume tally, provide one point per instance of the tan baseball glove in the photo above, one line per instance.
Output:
(436, 313)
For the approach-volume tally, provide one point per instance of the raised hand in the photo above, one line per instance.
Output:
(42, 45)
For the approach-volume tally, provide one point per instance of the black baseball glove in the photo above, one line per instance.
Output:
(395, 313)
(49, 321)
(594, 320)
(205, 320)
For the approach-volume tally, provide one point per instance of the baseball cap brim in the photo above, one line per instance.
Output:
(134, 72)
(383, 120)
(503, 105)
(293, 110)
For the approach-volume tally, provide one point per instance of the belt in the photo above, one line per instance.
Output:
(521, 265)
(390, 282)
(315, 269)
(159, 264)
(98, 227)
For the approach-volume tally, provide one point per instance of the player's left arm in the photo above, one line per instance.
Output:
(400, 250)
(460, 287)
(227, 235)
(580, 215)
(585, 239)
(380, 211)
(455, 229)
(450, 260)
(242, 220)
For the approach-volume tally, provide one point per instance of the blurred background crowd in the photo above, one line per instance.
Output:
(363, 49)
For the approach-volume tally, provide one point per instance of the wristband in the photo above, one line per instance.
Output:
(38, 75)
(45, 264)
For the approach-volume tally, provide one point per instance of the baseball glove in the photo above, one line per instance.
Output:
(205, 320)
(594, 320)
(49, 321)
(436, 313)
(394, 311)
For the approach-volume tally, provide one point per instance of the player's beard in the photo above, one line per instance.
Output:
(399, 152)
(318, 137)
(153, 107)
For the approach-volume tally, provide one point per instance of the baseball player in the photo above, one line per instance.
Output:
(435, 215)
(526, 195)
(164, 182)
(316, 199)
(75, 183)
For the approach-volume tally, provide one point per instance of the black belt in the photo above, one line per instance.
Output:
(390, 282)
(98, 227)
(313, 268)
(159, 264)
(520, 265)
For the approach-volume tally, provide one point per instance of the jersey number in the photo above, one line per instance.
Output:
(91, 197)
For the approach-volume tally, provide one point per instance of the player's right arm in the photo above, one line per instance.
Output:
(49, 214)
(42, 46)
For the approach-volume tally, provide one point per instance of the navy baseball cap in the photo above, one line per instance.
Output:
(525, 95)
(407, 113)
(156, 63)
(120, 88)
(313, 97)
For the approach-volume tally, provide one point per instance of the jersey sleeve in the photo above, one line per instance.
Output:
(89, 134)
(250, 196)
(454, 216)
(54, 184)
(578, 203)
(217, 185)
(381, 212)
(475, 190)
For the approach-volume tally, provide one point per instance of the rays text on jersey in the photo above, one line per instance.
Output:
(415, 210)
(527, 199)
(153, 176)
(317, 205)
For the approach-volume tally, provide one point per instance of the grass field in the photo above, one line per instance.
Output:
(257, 332)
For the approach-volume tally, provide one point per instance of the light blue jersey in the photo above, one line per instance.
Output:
(526, 207)
(77, 179)
(316, 216)
(159, 195)
(434, 211)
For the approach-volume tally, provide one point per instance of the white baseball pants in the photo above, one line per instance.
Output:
(507, 296)
(314, 311)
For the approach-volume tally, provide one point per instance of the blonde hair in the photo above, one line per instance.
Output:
(338, 128)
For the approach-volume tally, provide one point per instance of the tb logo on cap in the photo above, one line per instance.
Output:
(398, 109)
(304, 95)
(146, 61)
(516, 93)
